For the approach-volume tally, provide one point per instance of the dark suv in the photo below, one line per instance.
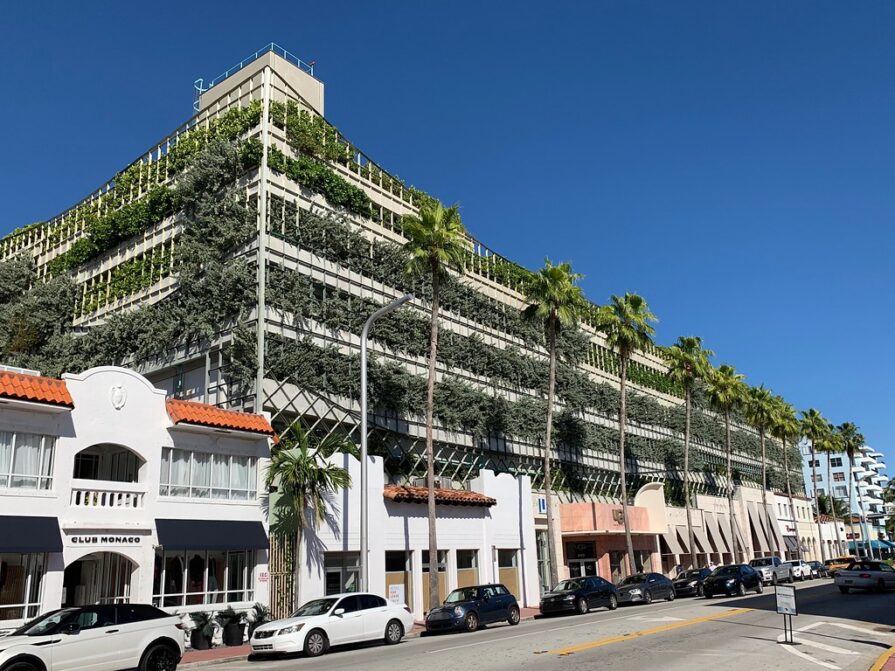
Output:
(580, 595)
(689, 583)
(732, 579)
(468, 608)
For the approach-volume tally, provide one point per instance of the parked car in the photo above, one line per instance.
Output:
(800, 570)
(580, 595)
(868, 575)
(833, 565)
(818, 570)
(732, 579)
(333, 620)
(645, 588)
(468, 608)
(772, 570)
(99, 638)
(689, 583)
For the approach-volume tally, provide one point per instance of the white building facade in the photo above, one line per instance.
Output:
(109, 492)
(485, 535)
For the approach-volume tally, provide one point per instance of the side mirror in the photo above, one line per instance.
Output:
(339, 612)
(72, 629)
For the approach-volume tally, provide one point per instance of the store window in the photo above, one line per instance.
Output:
(194, 577)
(21, 579)
(442, 561)
(26, 460)
(342, 570)
(200, 475)
(467, 568)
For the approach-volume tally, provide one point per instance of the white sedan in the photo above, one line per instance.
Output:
(333, 620)
(800, 569)
(873, 575)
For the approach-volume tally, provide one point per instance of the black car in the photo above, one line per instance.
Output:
(732, 579)
(689, 583)
(818, 569)
(468, 608)
(580, 595)
(645, 588)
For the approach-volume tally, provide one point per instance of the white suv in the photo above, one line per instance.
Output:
(95, 638)
(772, 570)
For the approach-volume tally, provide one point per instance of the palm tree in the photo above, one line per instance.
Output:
(830, 445)
(626, 325)
(688, 362)
(814, 428)
(556, 301)
(436, 241)
(726, 390)
(852, 440)
(300, 470)
(760, 414)
(786, 427)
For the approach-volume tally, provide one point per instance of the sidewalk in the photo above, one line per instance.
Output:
(885, 662)
(220, 654)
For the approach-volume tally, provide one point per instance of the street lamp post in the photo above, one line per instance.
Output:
(364, 507)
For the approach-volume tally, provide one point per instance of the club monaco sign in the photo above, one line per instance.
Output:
(105, 539)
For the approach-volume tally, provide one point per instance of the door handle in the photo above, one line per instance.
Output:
(111, 631)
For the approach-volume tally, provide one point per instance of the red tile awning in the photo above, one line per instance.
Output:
(201, 414)
(451, 497)
(34, 389)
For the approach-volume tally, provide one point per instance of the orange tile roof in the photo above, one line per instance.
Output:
(35, 389)
(452, 497)
(191, 412)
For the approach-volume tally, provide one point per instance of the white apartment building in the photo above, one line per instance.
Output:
(109, 492)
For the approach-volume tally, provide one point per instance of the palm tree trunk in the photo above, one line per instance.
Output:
(434, 601)
(737, 550)
(832, 501)
(764, 491)
(864, 526)
(820, 538)
(296, 567)
(792, 508)
(548, 484)
(629, 545)
(851, 489)
(687, 398)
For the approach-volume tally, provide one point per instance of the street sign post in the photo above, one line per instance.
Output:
(787, 607)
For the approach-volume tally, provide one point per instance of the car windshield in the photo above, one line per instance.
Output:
(635, 579)
(44, 624)
(464, 594)
(315, 607)
(767, 561)
(692, 574)
(726, 570)
(566, 585)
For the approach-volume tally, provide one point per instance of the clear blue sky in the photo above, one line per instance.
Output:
(732, 162)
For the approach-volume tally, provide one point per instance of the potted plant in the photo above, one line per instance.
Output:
(259, 615)
(202, 632)
(231, 624)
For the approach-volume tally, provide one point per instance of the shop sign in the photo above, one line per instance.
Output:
(396, 594)
(262, 576)
(542, 505)
(104, 539)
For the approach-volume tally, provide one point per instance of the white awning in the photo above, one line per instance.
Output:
(685, 541)
(724, 526)
(714, 533)
(671, 541)
(774, 528)
(758, 527)
(703, 540)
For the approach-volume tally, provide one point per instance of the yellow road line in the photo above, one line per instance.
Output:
(882, 659)
(646, 632)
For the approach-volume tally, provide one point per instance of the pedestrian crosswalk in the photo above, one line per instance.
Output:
(835, 645)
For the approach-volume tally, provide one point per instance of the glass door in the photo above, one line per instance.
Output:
(582, 568)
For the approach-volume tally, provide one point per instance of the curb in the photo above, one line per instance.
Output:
(880, 662)
(410, 635)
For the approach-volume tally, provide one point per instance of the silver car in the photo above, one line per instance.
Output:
(772, 570)
(873, 575)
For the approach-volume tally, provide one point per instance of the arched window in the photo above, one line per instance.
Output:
(108, 462)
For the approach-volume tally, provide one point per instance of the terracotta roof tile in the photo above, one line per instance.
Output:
(34, 388)
(191, 412)
(453, 497)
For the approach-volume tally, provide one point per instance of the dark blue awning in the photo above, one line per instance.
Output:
(211, 535)
(29, 534)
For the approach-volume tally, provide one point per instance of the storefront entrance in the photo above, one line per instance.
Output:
(582, 567)
(102, 577)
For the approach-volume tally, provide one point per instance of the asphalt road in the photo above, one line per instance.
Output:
(833, 631)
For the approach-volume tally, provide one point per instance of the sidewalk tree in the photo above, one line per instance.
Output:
(726, 391)
(852, 440)
(759, 407)
(832, 444)
(626, 323)
(814, 428)
(436, 241)
(556, 301)
(785, 426)
(304, 478)
(687, 363)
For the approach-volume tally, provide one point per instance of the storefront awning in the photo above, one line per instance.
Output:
(684, 539)
(774, 528)
(670, 540)
(792, 543)
(724, 526)
(758, 528)
(716, 535)
(211, 535)
(29, 534)
(702, 539)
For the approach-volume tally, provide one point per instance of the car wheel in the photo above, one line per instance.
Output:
(647, 597)
(843, 589)
(581, 606)
(741, 589)
(671, 595)
(613, 602)
(698, 590)
(759, 587)
(394, 632)
(315, 643)
(159, 657)
(708, 595)
(471, 623)
(21, 666)
(513, 616)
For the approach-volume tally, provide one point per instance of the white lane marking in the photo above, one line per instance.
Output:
(469, 645)
(824, 646)
(667, 618)
(799, 653)
(863, 630)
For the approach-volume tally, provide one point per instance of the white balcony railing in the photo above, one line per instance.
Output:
(117, 495)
